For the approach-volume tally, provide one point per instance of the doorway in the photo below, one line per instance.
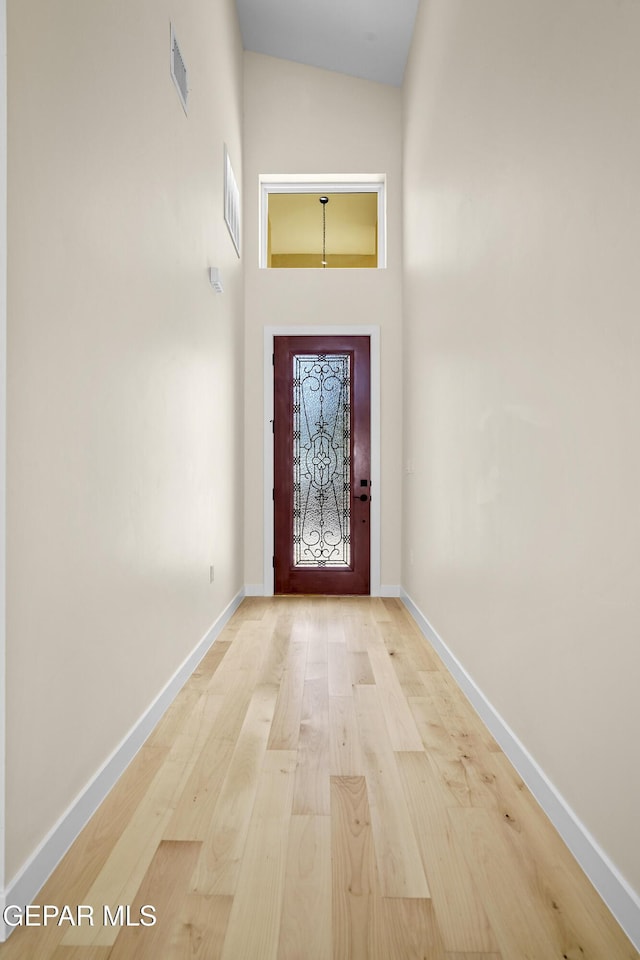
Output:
(322, 464)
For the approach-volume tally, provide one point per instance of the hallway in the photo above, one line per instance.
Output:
(321, 788)
(137, 478)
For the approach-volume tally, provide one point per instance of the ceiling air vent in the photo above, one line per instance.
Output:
(179, 71)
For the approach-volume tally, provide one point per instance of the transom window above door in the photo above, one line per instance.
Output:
(322, 223)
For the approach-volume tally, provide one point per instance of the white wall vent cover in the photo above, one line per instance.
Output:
(179, 71)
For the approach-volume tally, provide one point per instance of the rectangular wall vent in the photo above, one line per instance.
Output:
(179, 71)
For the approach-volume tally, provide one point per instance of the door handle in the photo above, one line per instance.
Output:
(362, 496)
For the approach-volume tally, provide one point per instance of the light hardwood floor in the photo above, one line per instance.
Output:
(321, 789)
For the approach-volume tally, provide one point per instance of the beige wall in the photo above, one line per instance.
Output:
(521, 357)
(124, 377)
(301, 120)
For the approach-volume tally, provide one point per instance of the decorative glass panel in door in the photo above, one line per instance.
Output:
(322, 464)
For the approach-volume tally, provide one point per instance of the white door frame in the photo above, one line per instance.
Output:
(327, 183)
(355, 330)
(3, 434)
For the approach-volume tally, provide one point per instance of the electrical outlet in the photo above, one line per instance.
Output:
(211, 574)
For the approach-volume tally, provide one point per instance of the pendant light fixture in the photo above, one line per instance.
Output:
(324, 201)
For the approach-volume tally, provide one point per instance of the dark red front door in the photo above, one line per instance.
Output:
(322, 464)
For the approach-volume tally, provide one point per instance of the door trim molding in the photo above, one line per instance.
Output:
(354, 330)
(3, 436)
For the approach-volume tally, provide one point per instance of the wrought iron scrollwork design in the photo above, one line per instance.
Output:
(321, 460)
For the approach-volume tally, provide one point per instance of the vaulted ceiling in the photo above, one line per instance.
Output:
(363, 38)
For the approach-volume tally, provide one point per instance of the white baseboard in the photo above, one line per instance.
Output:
(619, 896)
(23, 888)
(254, 590)
(389, 590)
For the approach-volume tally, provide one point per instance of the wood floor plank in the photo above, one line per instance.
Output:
(345, 754)
(77, 953)
(400, 868)
(460, 762)
(317, 655)
(305, 928)
(254, 923)
(285, 729)
(197, 798)
(213, 658)
(201, 676)
(580, 919)
(403, 732)
(163, 736)
(277, 647)
(312, 774)
(462, 919)
(304, 612)
(200, 931)
(118, 882)
(472, 956)
(234, 681)
(335, 609)
(409, 930)
(432, 729)
(381, 610)
(243, 658)
(254, 608)
(354, 888)
(190, 738)
(358, 630)
(461, 719)
(360, 668)
(226, 833)
(401, 660)
(166, 886)
(339, 679)
(413, 641)
(511, 902)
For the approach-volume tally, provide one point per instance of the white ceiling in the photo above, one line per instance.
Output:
(363, 38)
